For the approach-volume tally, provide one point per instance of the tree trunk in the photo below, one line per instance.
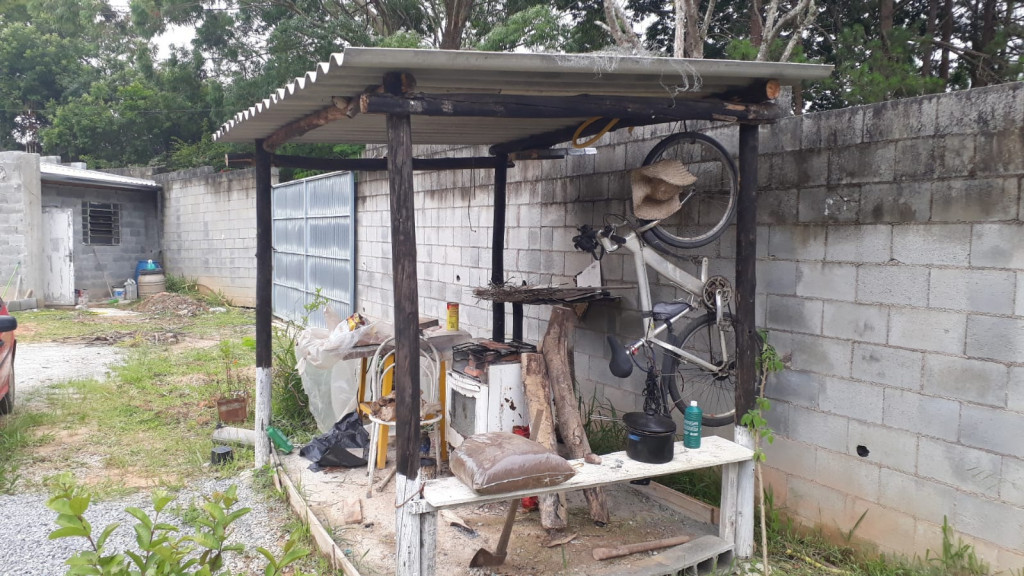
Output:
(756, 25)
(568, 419)
(457, 13)
(931, 27)
(688, 43)
(887, 10)
(947, 37)
(553, 513)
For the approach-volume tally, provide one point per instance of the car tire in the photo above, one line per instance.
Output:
(7, 402)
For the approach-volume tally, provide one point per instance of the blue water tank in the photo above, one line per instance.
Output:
(147, 267)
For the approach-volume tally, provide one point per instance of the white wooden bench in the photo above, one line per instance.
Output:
(736, 520)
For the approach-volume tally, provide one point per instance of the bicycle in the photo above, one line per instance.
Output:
(699, 363)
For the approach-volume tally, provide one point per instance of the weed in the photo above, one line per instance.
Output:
(602, 426)
(848, 534)
(181, 285)
(15, 439)
(955, 559)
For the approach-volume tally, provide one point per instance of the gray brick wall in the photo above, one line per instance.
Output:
(891, 274)
(21, 226)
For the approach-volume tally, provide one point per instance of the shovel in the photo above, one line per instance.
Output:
(485, 558)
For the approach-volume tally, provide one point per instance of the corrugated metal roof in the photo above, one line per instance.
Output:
(80, 177)
(445, 71)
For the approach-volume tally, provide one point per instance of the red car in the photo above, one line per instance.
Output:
(8, 345)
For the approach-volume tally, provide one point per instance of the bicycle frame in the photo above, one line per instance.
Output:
(644, 258)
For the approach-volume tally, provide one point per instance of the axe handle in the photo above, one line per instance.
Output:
(627, 549)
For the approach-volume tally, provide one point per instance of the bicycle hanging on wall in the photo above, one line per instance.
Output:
(684, 197)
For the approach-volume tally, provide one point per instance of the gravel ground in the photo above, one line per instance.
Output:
(25, 521)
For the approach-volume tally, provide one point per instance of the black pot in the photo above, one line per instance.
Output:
(649, 437)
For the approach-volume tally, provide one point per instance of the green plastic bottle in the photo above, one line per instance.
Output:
(691, 425)
(279, 439)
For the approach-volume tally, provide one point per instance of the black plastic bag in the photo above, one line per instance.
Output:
(332, 448)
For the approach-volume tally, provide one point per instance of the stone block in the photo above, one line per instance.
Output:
(848, 474)
(862, 322)
(955, 155)
(997, 245)
(922, 499)
(965, 379)
(1000, 153)
(822, 355)
(1019, 308)
(968, 469)
(1011, 485)
(794, 387)
(989, 291)
(776, 277)
(794, 314)
(777, 206)
(988, 519)
(885, 365)
(797, 242)
(995, 338)
(891, 531)
(818, 429)
(942, 244)
(856, 400)
(1015, 392)
(862, 243)
(891, 448)
(932, 330)
(916, 159)
(994, 430)
(791, 457)
(895, 202)
(828, 204)
(813, 502)
(988, 109)
(865, 163)
(826, 280)
(832, 129)
(975, 200)
(893, 284)
(900, 119)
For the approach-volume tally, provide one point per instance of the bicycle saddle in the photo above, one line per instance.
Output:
(668, 310)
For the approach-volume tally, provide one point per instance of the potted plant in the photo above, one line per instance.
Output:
(233, 396)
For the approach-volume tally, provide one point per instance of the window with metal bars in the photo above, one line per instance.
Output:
(101, 224)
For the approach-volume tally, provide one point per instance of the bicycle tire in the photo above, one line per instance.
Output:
(715, 393)
(706, 213)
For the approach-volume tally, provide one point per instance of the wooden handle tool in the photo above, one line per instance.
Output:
(627, 549)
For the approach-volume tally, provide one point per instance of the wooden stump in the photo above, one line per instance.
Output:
(553, 513)
(555, 348)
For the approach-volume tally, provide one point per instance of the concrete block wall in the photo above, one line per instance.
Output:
(21, 226)
(209, 230)
(890, 275)
(97, 267)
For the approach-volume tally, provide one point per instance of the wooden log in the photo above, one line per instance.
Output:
(381, 164)
(553, 512)
(627, 549)
(555, 348)
(757, 92)
(341, 108)
(264, 297)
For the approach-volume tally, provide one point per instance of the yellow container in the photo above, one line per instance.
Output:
(453, 316)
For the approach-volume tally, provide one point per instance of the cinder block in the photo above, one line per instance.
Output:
(1015, 395)
(895, 202)
(818, 429)
(797, 242)
(916, 159)
(794, 314)
(778, 418)
(927, 330)
(989, 291)
(792, 457)
(814, 502)
(975, 200)
(861, 243)
(997, 245)
(833, 129)
(776, 277)
(822, 355)
(991, 429)
(990, 520)
(1011, 485)
(794, 387)
(850, 475)
(916, 119)
(916, 496)
(1019, 309)
(995, 338)
(828, 204)
(886, 446)
(892, 531)
(986, 109)
(861, 322)
(960, 466)
(1001, 152)
(906, 285)
(942, 244)
(865, 163)
(826, 280)
(965, 379)
(776, 206)
(856, 400)
(1008, 559)
(885, 365)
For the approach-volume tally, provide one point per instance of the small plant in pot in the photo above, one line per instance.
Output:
(233, 393)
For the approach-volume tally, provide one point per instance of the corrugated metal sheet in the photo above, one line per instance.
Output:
(80, 177)
(314, 239)
(445, 71)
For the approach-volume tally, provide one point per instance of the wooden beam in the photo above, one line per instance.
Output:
(746, 262)
(381, 164)
(498, 246)
(585, 106)
(757, 92)
(264, 294)
(342, 108)
(557, 136)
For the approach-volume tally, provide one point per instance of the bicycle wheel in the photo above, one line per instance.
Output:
(708, 205)
(715, 392)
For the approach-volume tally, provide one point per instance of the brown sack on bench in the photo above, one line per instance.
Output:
(498, 462)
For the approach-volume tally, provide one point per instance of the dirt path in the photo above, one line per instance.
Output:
(40, 365)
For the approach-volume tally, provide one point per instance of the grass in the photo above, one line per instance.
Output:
(57, 325)
(16, 438)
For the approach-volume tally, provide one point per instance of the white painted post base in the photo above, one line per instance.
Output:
(415, 531)
(744, 496)
(263, 381)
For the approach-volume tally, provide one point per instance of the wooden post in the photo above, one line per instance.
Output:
(553, 512)
(555, 348)
(264, 291)
(746, 352)
(498, 246)
(413, 554)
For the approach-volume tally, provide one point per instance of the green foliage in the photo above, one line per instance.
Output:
(160, 550)
(15, 439)
(537, 28)
(205, 152)
(181, 285)
(955, 558)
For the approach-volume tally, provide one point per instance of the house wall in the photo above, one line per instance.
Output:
(209, 230)
(890, 275)
(100, 267)
(21, 226)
